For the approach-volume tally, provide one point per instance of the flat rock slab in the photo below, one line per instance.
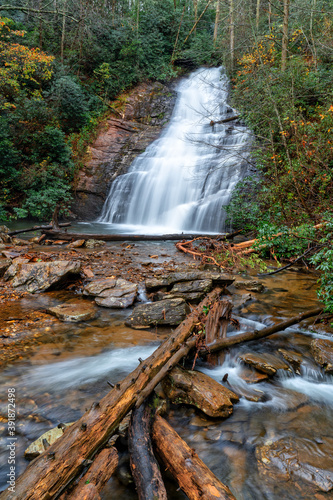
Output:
(74, 311)
(43, 442)
(41, 276)
(267, 363)
(251, 285)
(292, 459)
(218, 279)
(192, 286)
(322, 351)
(197, 389)
(113, 293)
(163, 312)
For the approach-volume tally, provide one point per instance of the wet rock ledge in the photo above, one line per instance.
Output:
(121, 138)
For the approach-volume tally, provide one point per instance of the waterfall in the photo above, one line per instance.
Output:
(184, 178)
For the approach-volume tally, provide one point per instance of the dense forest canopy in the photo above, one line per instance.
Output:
(62, 62)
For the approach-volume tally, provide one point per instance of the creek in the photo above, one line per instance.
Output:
(280, 447)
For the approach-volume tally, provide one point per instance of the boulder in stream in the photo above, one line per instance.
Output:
(163, 312)
(200, 390)
(322, 351)
(41, 276)
(250, 285)
(111, 292)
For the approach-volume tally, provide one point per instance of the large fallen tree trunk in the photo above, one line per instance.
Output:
(48, 475)
(144, 466)
(259, 334)
(192, 475)
(59, 235)
(91, 483)
(37, 228)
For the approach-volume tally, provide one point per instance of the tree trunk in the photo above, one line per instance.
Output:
(258, 14)
(285, 34)
(63, 33)
(50, 473)
(192, 475)
(232, 32)
(217, 20)
(145, 469)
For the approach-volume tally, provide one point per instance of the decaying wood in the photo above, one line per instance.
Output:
(37, 228)
(199, 390)
(259, 334)
(91, 483)
(118, 237)
(217, 321)
(192, 475)
(144, 466)
(49, 474)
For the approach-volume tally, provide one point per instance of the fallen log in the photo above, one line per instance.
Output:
(259, 334)
(91, 483)
(192, 475)
(144, 466)
(37, 228)
(49, 474)
(120, 237)
(225, 120)
(198, 389)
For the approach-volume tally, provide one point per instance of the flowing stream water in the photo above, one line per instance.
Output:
(183, 179)
(280, 447)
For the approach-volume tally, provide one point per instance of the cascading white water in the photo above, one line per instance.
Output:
(184, 178)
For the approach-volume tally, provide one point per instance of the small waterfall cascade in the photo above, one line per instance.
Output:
(184, 178)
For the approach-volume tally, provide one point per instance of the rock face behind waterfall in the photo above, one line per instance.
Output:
(121, 138)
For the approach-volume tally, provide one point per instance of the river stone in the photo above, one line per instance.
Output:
(292, 458)
(197, 389)
(222, 279)
(4, 265)
(251, 376)
(114, 293)
(322, 351)
(41, 444)
(251, 285)
(94, 243)
(267, 363)
(192, 286)
(293, 358)
(74, 311)
(164, 312)
(41, 276)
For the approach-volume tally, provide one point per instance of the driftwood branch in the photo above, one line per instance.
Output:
(225, 120)
(259, 334)
(37, 228)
